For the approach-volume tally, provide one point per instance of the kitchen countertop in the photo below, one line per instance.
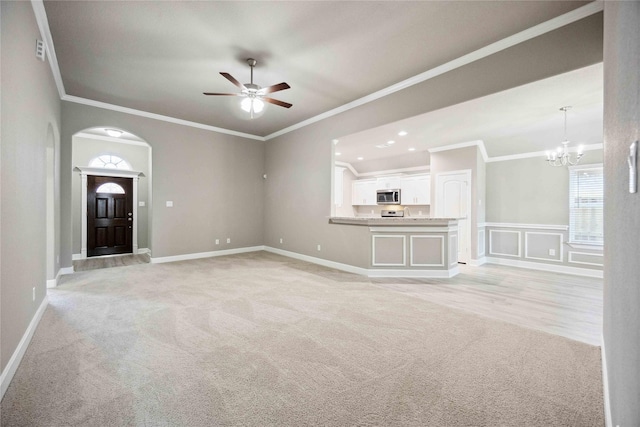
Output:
(404, 221)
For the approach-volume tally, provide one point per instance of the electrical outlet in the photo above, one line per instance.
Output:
(318, 247)
(281, 240)
(33, 296)
(217, 241)
(169, 204)
(552, 252)
(228, 240)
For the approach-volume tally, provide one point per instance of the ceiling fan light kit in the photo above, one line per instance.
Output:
(254, 95)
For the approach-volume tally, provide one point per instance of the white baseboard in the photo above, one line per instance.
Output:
(608, 422)
(144, 251)
(326, 263)
(16, 358)
(369, 272)
(478, 262)
(66, 270)
(546, 267)
(199, 255)
(426, 274)
(76, 257)
(52, 283)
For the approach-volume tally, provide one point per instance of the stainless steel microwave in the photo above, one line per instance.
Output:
(388, 197)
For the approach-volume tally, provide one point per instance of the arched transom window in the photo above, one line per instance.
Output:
(109, 161)
(110, 187)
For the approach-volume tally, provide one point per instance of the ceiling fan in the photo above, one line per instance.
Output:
(254, 95)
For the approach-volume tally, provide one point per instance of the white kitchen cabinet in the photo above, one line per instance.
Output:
(364, 192)
(416, 190)
(389, 182)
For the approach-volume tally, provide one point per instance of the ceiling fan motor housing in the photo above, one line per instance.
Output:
(252, 88)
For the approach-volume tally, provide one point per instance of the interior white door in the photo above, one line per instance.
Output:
(453, 199)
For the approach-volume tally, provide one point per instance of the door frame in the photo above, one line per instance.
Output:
(438, 208)
(118, 173)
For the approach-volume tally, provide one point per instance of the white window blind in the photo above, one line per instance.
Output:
(586, 204)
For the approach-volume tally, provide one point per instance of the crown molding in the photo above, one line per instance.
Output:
(589, 147)
(45, 33)
(348, 166)
(112, 139)
(479, 143)
(99, 104)
(426, 168)
(528, 34)
(374, 174)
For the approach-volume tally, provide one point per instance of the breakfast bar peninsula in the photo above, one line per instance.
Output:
(409, 246)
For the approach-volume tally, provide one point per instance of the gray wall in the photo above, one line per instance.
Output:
(214, 180)
(622, 211)
(85, 150)
(299, 164)
(462, 159)
(30, 122)
(529, 191)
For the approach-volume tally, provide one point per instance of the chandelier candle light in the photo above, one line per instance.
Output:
(562, 157)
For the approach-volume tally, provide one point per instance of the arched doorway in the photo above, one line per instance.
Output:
(115, 154)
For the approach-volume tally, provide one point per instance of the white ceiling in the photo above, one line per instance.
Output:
(521, 120)
(159, 57)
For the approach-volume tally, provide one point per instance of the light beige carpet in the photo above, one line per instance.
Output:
(262, 340)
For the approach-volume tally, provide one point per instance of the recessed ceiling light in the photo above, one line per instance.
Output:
(338, 154)
(114, 133)
(402, 133)
(391, 142)
(412, 149)
(360, 158)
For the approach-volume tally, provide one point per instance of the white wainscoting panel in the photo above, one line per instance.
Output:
(584, 258)
(481, 243)
(497, 247)
(390, 250)
(426, 251)
(538, 243)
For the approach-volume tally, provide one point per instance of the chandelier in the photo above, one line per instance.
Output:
(561, 156)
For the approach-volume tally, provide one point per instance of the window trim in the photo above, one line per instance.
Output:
(577, 244)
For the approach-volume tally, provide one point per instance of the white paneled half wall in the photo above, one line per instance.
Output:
(538, 246)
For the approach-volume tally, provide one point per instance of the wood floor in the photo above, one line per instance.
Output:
(95, 263)
(561, 304)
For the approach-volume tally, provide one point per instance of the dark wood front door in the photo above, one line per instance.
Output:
(109, 215)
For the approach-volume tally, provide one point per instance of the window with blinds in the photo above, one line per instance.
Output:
(586, 204)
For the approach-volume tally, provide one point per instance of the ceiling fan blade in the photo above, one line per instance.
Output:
(276, 102)
(274, 88)
(233, 80)
(223, 94)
